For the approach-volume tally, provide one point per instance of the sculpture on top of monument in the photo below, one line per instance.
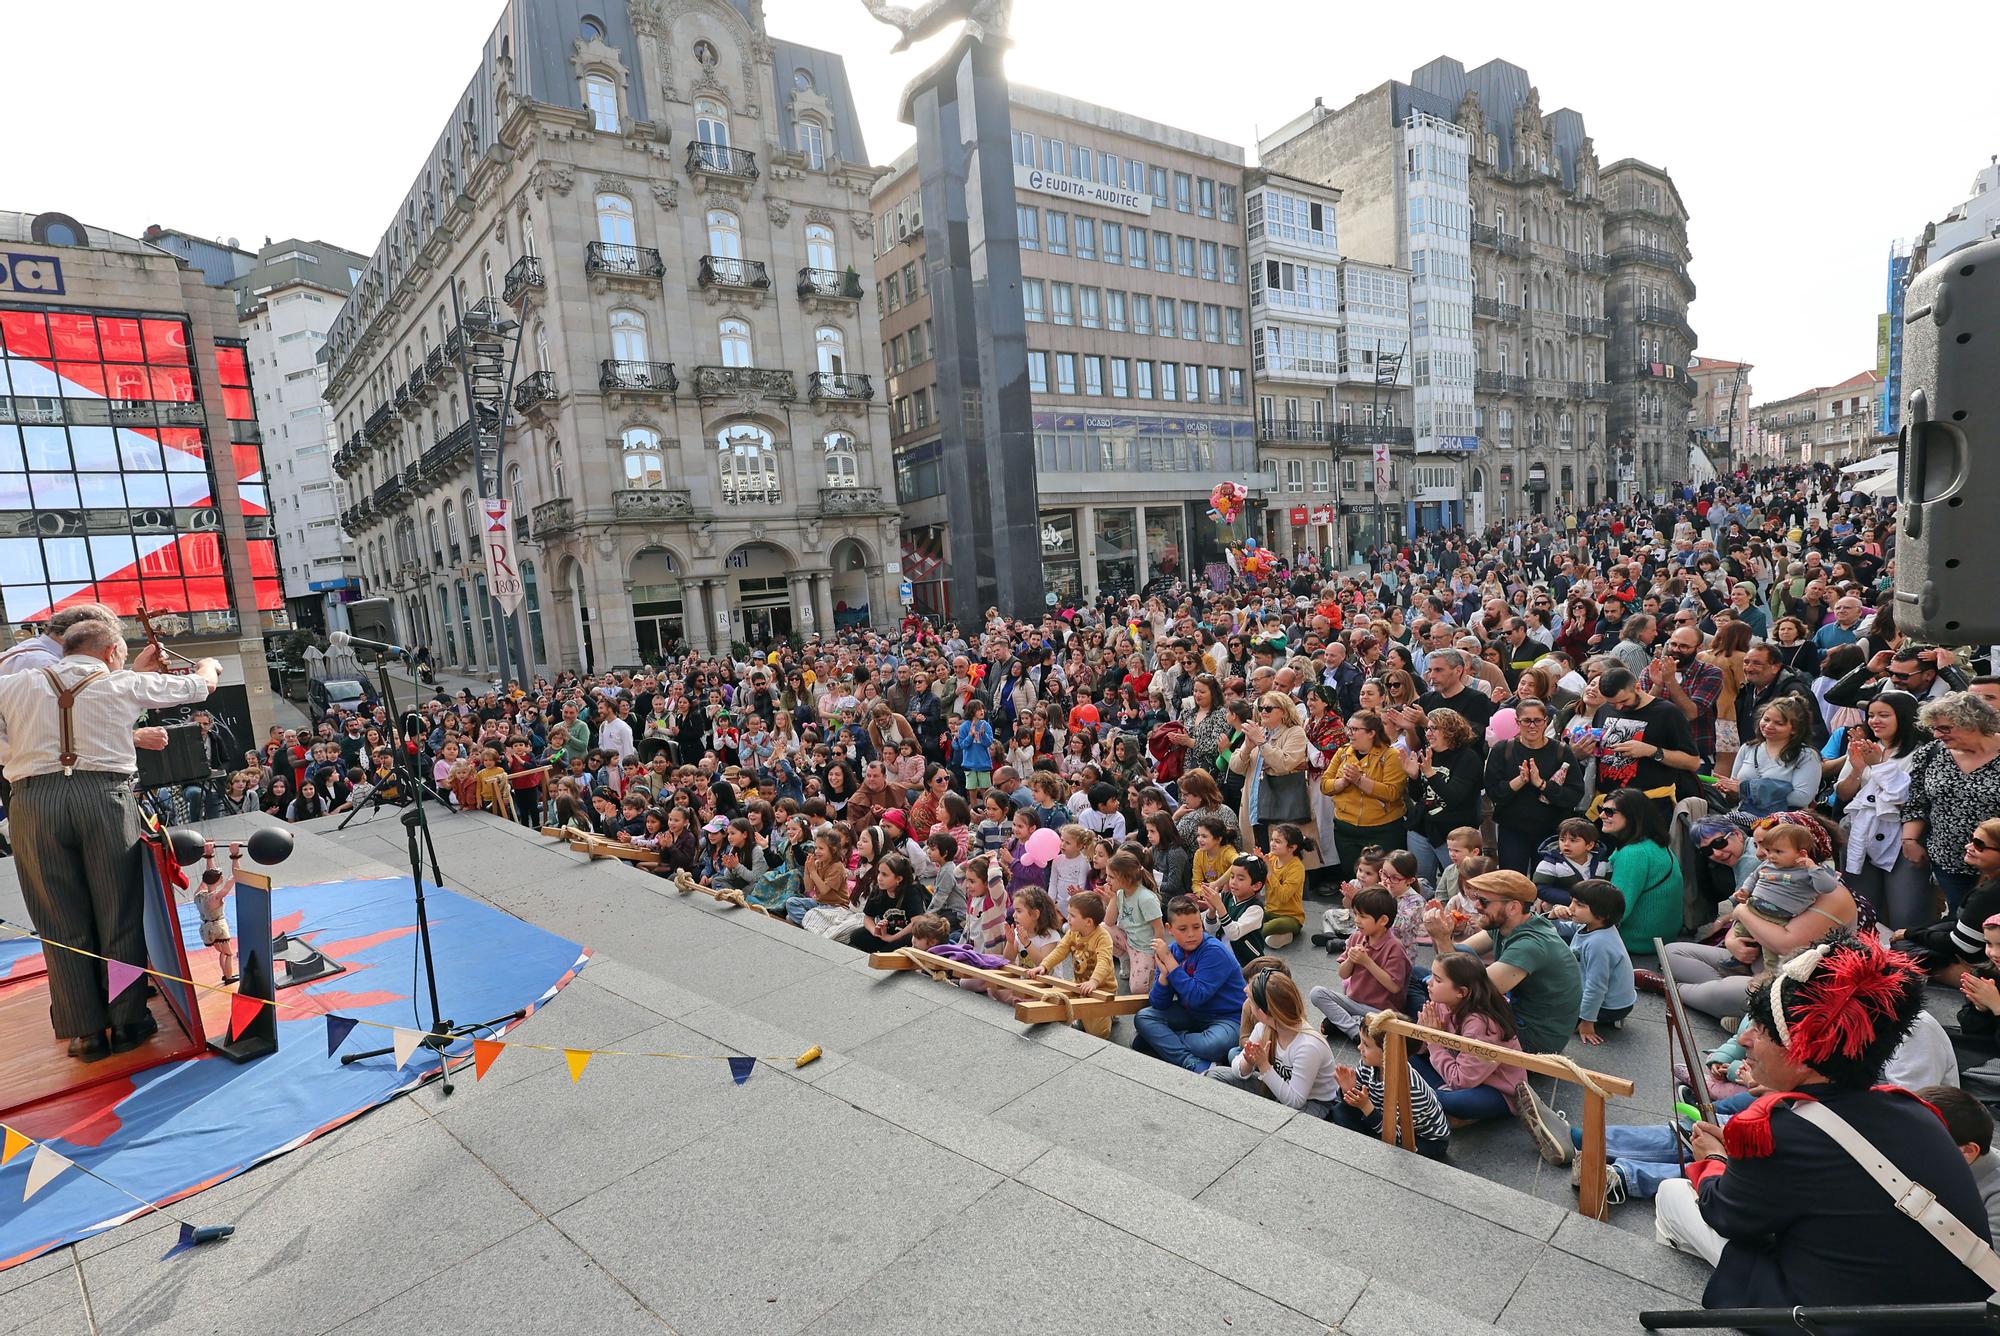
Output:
(985, 20)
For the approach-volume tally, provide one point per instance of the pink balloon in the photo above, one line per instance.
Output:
(1042, 847)
(1502, 727)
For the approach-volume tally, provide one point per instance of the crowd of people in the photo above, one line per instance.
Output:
(1483, 778)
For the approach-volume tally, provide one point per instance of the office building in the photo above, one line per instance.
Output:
(670, 209)
(1134, 299)
(130, 472)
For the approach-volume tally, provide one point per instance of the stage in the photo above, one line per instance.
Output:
(169, 1118)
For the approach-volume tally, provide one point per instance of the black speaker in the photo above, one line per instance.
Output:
(373, 619)
(183, 761)
(1947, 544)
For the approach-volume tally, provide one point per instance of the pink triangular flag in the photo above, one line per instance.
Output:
(118, 976)
(406, 1042)
(43, 1168)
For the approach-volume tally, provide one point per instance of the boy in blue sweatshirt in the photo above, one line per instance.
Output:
(1194, 1013)
(1596, 907)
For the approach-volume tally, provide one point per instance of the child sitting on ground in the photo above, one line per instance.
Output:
(1374, 969)
(1337, 923)
(1788, 879)
(948, 886)
(1596, 908)
(991, 832)
(1463, 843)
(1464, 915)
(1235, 912)
(1069, 870)
(1400, 880)
(987, 904)
(1573, 854)
(1285, 894)
(1213, 852)
(1135, 908)
(1089, 943)
(1360, 1106)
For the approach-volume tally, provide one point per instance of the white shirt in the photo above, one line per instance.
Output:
(615, 736)
(101, 719)
(34, 652)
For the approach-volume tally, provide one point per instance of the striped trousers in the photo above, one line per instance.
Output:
(76, 843)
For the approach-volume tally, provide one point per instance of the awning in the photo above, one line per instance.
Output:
(1875, 465)
(1882, 484)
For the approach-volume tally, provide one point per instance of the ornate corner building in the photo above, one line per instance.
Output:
(1649, 292)
(674, 208)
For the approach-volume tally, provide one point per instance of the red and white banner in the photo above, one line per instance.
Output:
(1381, 466)
(503, 577)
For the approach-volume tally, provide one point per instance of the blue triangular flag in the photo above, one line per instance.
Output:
(740, 1068)
(337, 1030)
(182, 1244)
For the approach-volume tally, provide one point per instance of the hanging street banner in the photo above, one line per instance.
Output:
(503, 577)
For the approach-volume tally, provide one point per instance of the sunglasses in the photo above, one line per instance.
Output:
(1716, 845)
(1984, 847)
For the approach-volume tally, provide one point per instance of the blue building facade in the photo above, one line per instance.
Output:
(1890, 402)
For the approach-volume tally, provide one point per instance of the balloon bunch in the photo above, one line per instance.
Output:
(1252, 559)
(1225, 503)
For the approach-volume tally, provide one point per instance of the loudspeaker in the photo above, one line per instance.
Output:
(373, 619)
(1947, 544)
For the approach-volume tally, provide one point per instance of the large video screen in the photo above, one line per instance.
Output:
(107, 474)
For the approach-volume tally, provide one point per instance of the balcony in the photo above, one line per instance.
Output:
(846, 387)
(535, 390)
(1496, 382)
(433, 364)
(640, 264)
(830, 283)
(378, 422)
(526, 273)
(652, 503)
(757, 490)
(724, 382)
(721, 163)
(1652, 255)
(1579, 389)
(401, 399)
(1368, 433)
(726, 271)
(616, 377)
(1580, 262)
(1588, 324)
(1624, 371)
(849, 500)
(1494, 239)
(391, 494)
(450, 447)
(1494, 309)
(1290, 433)
(553, 517)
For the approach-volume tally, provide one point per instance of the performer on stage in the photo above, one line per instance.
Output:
(66, 737)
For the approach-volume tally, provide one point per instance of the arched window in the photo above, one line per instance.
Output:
(601, 96)
(735, 342)
(557, 487)
(517, 495)
(444, 620)
(437, 534)
(711, 131)
(842, 465)
(474, 534)
(645, 466)
(628, 336)
(812, 142)
(486, 274)
(749, 462)
(819, 247)
(450, 525)
(541, 348)
(832, 348)
(725, 235)
(802, 79)
(531, 596)
(528, 236)
(1502, 280)
(614, 221)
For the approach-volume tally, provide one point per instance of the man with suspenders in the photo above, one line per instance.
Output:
(67, 740)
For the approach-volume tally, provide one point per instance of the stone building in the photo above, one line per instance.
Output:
(1652, 341)
(1829, 424)
(669, 207)
(1720, 418)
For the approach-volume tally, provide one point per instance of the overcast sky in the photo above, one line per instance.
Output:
(1795, 154)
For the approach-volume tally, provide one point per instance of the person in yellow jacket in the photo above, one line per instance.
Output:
(1089, 941)
(1365, 779)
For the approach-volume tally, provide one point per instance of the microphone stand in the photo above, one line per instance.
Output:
(443, 1033)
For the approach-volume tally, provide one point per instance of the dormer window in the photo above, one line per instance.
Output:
(600, 95)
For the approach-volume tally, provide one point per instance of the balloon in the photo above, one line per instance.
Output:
(1042, 847)
(1502, 727)
(1250, 543)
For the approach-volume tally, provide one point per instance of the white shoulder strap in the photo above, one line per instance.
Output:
(1912, 1198)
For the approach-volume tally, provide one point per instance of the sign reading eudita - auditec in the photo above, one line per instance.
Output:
(1081, 191)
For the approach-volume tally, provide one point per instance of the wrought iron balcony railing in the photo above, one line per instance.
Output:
(618, 261)
(840, 385)
(636, 377)
(720, 160)
(829, 283)
(539, 388)
(726, 271)
(526, 273)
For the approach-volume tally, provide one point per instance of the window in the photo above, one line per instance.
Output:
(892, 288)
(1170, 388)
(1184, 251)
(1163, 254)
(1120, 378)
(1093, 375)
(1234, 333)
(1062, 303)
(920, 343)
(1065, 373)
(1135, 247)
(1210, 269)
(896, 353)
(843, 467)
(1031, 299)
(1204, 197)
(628, 336)
(1191, 383)
(1168, 329)
(1090, 312)
(1183, 192)
(645, 465)
(711, 131)
(831, 346)
(451, 526)
(1086, 238)
(735, 342)
(614, 221)
(602, 98)
(1114, 311)
(1142, 373)
(812, 143)
(1211, 323)
(1038, 371)
(1142, 313)
(1029, 219)
(819, 247)
(1058, 234)
(558, 485)
(1212, 376)
(1190, 321)
(431, 523)
(749, 464)
(1322, 476)
(1295, 475)
(725, 235)
(1237, 392)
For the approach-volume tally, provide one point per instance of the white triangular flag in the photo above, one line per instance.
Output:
(406, 1042)
(45, 1166)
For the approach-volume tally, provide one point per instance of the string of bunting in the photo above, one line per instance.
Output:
(50, 1163)
(404, 1041)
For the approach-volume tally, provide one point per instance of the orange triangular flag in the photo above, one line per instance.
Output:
(483, 1053)
(242, 1010)
(578, 1059)
(43, 1169)
(15, 1144)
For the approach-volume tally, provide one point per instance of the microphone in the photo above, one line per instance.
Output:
(343, 638)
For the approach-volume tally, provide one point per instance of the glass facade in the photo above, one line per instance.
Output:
(1439, 224)
(108, 470)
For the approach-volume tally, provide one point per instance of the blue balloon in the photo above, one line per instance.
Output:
(1250, 543)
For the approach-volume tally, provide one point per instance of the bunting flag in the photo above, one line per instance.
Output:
(181, 1244)
(118, 976)
(740, 1068)
(483, 1053)
(337, 1030)
(243, 1009)
(578, 1059)
(15, 1144)
(405, 1042)
(43, 1168)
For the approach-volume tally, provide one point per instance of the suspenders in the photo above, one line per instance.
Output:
(65, 698)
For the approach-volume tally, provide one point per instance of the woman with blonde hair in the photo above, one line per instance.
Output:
(1446, 779)
(1725, 653)
(1272, 761)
